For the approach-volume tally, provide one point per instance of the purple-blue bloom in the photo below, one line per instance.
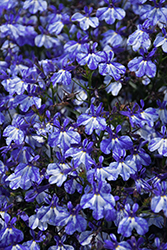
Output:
(156, 15)
(149, 115)
(159, 201)
(62, 76)
(8, 4)
(92, 119)
(27, 101)
(112, 68)
(63, 137)
(101, 173)
(16, 131)
(115, 143)
(73, 185)
(58, 171)
(73, 220)
(9, 234)
(139, 156)
(113, 244)
(124, 167)
(44, 39)
(161, 40)
(113, 38)
(159, 142)
(90, 57)
(15, 85)
(135, 244)
(113, 87)
(110, 13)
(160, 245)
(73, 47)
(134, 115)
(60, 244)
(142, 65)
(162, 111)
(13, 134)
(131, 221)
(24, 176)
(50, 214)
(35, 5)
(139, 38)
(56, 24)
(97, 199)
(81, 154)
(85, 20)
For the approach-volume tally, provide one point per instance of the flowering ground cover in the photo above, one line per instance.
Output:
(83, 96)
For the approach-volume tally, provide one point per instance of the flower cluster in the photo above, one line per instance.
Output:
(83, 121)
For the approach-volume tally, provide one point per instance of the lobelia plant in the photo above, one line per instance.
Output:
(83, 125)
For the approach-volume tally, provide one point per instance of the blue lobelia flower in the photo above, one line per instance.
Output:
(9, 234)
(58, 171)
(113, 87)
(73, 184)
(73, 220)
(60, 244)
(139, 155)
(27, 101)
(124, 167)
(162, 111)
(134, 115)
(17, 32)
(149, 115)
(113, 244)
(159, 201)
(135, 244)
(24, 176)
(156, 15)
(35, 5)
(81, 154)
(159, 142)
(161, 40)
(32, 244)
(15, 132)
(139, 117)
(160, 245)
(73, 47)
(90, 56)
(139, 38)
(112, 38)
(101, 173)
(45, 39)
(63, 75)
(57, 23)
(15, 85)
(17, 247)
(92, 119)
(50, 214)
(97, 199)
(8, 4)
(63, 137)
(111, 67)
(93, 238)
(85, 20)
(131, 221)
(110, 13)
(142, 65)
(39, 193)
(115, 142)
(142, 186)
